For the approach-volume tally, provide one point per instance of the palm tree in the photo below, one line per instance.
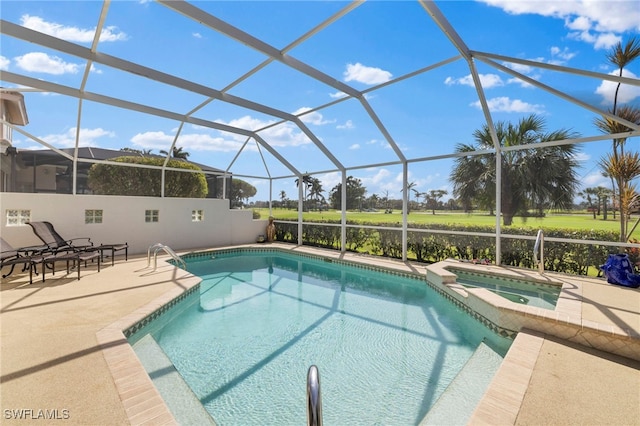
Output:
(315, 190)
(306, 181)
(433, 198)
(176, 152)
(620, 166)
(622, 57)
(418, 195)
(283, 198)
(593, 200)
(533, 177)
(410, 186)
(137, 151)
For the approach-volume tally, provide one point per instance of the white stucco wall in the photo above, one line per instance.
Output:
(124, 221)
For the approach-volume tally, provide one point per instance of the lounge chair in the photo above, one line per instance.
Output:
(54, 241)
(28, 257)
(73, 260)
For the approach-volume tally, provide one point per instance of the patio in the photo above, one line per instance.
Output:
(62, 355)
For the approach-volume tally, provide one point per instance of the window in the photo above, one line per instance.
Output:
(18, 217)
(197, 215)
(93, 216)
(151, 216)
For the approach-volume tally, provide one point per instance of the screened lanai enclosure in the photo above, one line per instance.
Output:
(395, 95)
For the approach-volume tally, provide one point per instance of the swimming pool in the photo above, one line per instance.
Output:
(387, 346)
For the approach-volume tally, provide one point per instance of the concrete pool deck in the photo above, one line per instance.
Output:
(63, 357)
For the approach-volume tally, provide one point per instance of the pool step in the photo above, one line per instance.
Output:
(456, 404)
(182, 402)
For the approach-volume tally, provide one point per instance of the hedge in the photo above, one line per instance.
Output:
(111, 179)
(430, 247)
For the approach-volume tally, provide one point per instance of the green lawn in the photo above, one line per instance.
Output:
(551, 221)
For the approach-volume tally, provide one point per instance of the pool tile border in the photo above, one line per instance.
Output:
(565, 321)
(129, 375)
(160, 312)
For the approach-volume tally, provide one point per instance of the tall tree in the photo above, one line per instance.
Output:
(592, 198)
(283, 198)
(355, 194)
(315, 191)
(531, 177)
(306, 181)
(137, 151)
(433, 198)
(621, 166)
(241, 191)
(177, 152)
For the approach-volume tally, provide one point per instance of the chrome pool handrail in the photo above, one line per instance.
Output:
(539, 246)
(156, 248)
(314, 399)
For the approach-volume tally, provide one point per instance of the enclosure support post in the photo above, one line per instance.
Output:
(405, 208)
(300, 207)
(343, 218)
(498, 204)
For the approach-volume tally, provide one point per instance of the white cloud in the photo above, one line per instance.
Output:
(355, 146)
(367, 75)
(627, 93)
(505, 104)
(582, 157)
(188, 141)
(560, 56)
(347, 125)
(330, 180)
(581, 23)
(337, 95)
(207, 139)
(41, 62)
(246, 122)
(196, 35)
(312, 117)
(522, 69)
(285, 134)
(594, 22)
(594, 179)
(88, 137)
(488, 80)
(599, 41)
(4, 63)
(69, 33)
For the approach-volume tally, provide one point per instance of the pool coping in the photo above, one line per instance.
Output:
(141, 400)
(144, 405)
(565, 321)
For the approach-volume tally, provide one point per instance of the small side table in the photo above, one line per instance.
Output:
(113, 248)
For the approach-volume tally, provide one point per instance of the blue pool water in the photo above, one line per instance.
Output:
(519, 291)
(386, 346)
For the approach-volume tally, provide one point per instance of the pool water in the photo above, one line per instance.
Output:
(386, 346)
(519, 291)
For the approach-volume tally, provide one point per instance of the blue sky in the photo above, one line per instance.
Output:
(378, 41)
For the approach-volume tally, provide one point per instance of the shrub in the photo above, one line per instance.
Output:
(111, 179)
(429, 247)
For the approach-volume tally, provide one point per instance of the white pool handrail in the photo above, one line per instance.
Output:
(539, 247)
(156, 248)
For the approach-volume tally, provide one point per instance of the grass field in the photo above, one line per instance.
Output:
(551, 221)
